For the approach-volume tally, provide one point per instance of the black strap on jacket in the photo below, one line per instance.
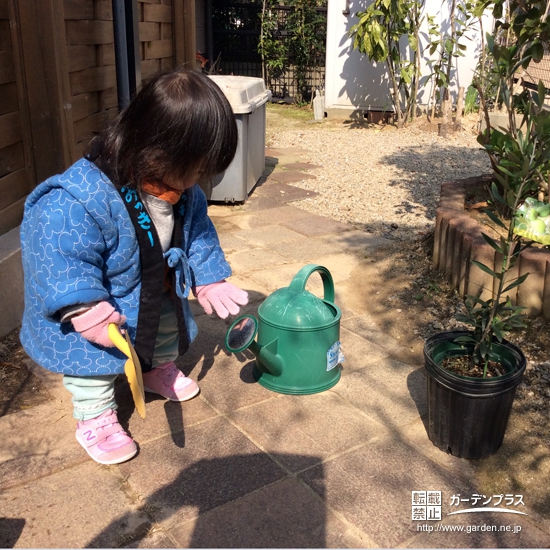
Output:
(177, 241)
(152, 277)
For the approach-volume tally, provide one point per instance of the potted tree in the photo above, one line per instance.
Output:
(473, 374)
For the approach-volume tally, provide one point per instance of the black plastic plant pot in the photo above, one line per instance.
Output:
(467, 417)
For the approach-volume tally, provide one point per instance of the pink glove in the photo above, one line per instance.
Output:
(93, 324)
(221, 296)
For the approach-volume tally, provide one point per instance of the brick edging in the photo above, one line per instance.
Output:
(458, 241)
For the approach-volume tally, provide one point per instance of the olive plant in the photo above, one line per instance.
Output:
(520, 157)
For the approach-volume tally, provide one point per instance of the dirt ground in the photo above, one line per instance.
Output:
(418, 303)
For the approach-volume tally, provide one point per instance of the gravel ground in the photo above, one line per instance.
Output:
(384, 180)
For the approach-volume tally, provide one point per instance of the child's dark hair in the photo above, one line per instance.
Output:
(178, 124)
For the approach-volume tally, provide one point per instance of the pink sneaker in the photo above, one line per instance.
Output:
(167, 380)
(104, 439)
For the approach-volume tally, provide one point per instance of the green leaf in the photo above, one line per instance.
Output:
(541, 94)
(483, 348)
(477, 300)
(516, 283)
(491, 242)
(498, 333)
(494, 218)
(464, 319)
(504, 183)
(489, 38)
(496, 194)
(536, 51)
(483, 267)
(506, 171)
(464, 340)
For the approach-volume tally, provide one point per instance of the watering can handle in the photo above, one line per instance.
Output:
(298, 284)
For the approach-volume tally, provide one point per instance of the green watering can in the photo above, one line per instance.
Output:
(298, 346)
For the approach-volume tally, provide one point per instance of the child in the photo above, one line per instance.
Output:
(122, 237)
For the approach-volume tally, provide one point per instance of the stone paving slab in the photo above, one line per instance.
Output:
(305, 429)
(416, 434)
(284, 215)
(372, 487)
(390, 392)
(260, 204)
(274, 187)
(163, 417)
(253, 259)
(195, 471)
(292, 176)
(78, 507)
(303, 249)
(281, 276)
(285, 514)
(354, 241)
(224, 224)
(244, 220)
(341, 267)
(221, 210)
(37, 442)
(230, 385)
(232, 244)
(268, 236)
(315, 226)
(367, 328)
(225, 379)
(52, 381)
(359, 353)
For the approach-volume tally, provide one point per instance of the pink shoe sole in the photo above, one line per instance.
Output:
(176, 399)
(122, 457)
(105, 440)
(169, 382)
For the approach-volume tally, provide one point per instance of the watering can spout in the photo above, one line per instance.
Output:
(268, 357)
(240, 336)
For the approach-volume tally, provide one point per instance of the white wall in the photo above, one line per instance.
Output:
(352, 81)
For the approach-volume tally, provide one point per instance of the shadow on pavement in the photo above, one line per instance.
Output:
(227, 503)
(10, 531)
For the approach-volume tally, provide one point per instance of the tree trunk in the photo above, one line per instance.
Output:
(444, 115)
(453, 33)
(395, 85)
(416, 70)
(459, 108)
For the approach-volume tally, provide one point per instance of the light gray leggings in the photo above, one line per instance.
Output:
(93, 395)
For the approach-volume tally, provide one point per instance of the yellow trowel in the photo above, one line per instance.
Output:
(132, 368)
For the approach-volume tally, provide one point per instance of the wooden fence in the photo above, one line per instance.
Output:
(58, 81)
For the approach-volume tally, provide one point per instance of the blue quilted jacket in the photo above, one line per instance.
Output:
(79, 245)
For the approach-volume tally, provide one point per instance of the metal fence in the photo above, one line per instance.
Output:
(236, 28)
